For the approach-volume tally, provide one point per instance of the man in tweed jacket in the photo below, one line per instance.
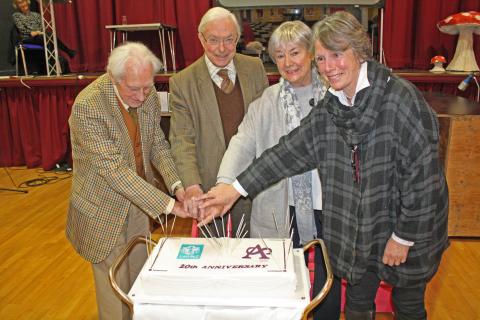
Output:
(113, 191)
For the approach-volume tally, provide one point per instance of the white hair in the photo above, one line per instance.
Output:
(290, 32)
(217, 13)
(133, 52)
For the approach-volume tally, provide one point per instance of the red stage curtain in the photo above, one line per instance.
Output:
(189, 14)
(81, 25)
(18, 116)
(34, 126)
(411, 36)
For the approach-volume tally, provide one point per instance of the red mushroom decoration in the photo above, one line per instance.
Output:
(464, 24)
(438, 62)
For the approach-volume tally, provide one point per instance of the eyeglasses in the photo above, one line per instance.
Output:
(215, 42)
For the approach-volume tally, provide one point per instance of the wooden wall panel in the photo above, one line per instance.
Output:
(463, 176)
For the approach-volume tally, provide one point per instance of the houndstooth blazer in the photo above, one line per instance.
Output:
(105, 182)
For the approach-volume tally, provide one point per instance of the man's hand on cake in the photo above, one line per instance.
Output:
(179, 211)
(222, 195)
(180, 194)
(191, 203)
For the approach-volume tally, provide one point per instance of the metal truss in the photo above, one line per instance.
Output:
(50, 37)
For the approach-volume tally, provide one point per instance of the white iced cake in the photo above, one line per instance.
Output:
(220, 267)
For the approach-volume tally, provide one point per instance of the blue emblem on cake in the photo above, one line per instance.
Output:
(190, 251)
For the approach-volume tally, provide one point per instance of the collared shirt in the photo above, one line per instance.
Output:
(213, 70)
(170, 205)
(362, 83)
(124, 105)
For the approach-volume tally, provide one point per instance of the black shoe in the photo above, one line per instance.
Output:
(71, 53)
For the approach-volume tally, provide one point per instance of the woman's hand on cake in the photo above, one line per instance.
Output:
(210, 213)
(222, 195)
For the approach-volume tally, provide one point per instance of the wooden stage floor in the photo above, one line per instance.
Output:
(43, 278)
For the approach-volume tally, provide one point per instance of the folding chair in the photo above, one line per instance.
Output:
(22, 47)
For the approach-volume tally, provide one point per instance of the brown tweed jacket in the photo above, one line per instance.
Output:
(196, 131)
(105, 182)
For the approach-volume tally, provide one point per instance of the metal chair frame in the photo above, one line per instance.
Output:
(21, 47)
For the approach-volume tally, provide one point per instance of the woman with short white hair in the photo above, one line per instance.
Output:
(277, 112)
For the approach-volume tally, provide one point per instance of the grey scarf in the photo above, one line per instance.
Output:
(302, 183)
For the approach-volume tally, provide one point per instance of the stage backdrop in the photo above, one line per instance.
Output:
(411, 35)
(81, 24)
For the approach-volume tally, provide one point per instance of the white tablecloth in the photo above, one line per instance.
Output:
(148, 307)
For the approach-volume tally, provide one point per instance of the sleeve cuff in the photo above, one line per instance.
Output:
(239, 188)
(401, 241)
(170, 205)
(175, 186)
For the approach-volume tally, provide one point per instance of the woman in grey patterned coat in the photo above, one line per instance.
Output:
(29, 26)
(375, 142)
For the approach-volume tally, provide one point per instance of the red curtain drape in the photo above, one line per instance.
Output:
(34, 125)
(411, 37)
(81, 25)
(188, 20)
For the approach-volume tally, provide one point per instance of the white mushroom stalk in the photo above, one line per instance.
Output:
(465, 24)
(438, 62)
(464, 58)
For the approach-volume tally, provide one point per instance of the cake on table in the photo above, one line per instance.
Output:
(220, 267)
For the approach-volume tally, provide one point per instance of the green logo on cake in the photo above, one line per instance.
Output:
(190, 251)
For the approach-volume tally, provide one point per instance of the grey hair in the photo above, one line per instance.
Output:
(217, 13)
(14, 3)
(341, 31)
(134, 52)
(290, 32)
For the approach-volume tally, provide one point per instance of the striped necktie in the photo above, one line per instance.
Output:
(227, 84)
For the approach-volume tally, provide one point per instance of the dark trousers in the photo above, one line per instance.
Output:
(329, 308)
(408, 301)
